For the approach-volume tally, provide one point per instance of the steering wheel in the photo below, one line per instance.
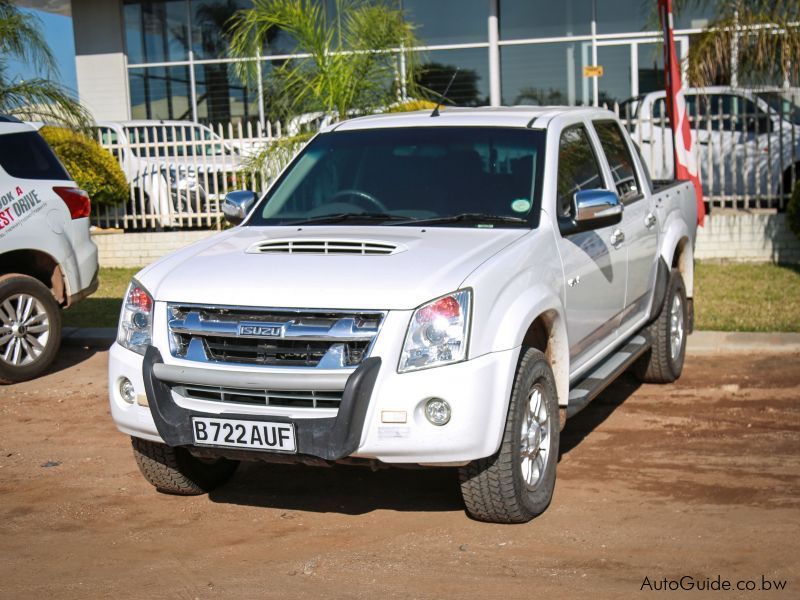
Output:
(363, 195)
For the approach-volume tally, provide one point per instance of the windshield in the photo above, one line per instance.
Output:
(786, 103)
(456, 176)
(175, 140)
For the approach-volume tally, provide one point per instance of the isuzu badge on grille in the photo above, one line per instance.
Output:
(260, 329)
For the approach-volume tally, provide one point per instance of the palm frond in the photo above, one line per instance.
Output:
(42, 100)
(21, 37)
(766, 35)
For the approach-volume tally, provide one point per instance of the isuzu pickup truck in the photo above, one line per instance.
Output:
(414, 289)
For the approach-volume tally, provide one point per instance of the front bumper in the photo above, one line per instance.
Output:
(381, 415)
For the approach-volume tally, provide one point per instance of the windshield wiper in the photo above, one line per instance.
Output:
(342, 217)
(466, 218)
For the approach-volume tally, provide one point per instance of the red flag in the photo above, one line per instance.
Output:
(685, 163)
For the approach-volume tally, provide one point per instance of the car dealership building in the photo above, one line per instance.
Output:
(166, 59)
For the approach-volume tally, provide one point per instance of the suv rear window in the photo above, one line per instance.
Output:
(27, 156)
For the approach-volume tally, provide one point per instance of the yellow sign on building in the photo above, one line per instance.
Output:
(593, 71)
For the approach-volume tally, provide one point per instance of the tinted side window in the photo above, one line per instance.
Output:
(578, 168)
(27, 156)
(619, 160)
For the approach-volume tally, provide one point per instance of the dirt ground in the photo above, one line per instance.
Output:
(698, 479)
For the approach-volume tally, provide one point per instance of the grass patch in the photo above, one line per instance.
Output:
(747, 297)
(101, 309)
(728, 297)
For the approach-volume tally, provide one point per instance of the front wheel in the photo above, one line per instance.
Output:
(516, 484)
(30, 328)
(176, 471)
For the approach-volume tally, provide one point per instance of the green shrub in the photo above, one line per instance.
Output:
(793, 210)
(92, 167)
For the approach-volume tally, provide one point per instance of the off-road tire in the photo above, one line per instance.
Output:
(657, 364)
(493, 488)
(11, 285)
(175, 471)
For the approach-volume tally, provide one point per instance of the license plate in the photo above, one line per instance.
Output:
(250, 435)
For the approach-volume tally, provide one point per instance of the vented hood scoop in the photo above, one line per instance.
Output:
(325, 246)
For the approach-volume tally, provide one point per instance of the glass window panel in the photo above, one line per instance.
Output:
(624, 16)
(544, 74)
(651, 68)
(157, 31)
(449, 21)
(160, 93)
(209, 26)
(521, 19)
(619, 160)
(694, 15)
(615, 84)
(221, 97)
(471, 85)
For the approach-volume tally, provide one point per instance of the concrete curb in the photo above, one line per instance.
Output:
(739, 342)
(700, 342)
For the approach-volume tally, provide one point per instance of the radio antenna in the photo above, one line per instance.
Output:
(435, 112)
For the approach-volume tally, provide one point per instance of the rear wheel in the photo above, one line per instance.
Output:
(663, 363)
(516, 484)
(30, 328)
(176, 471)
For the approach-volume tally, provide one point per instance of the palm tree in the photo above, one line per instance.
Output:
(760, 38)
(39, 98)
(351, 62)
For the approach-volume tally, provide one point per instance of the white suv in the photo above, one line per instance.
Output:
(47, 259)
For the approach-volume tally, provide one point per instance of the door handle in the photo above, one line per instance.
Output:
(649, 220)
(617, 237)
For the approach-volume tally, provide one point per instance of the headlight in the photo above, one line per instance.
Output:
(136, 319)
(438, 333)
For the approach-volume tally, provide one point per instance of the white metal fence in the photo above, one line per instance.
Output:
(179, 174)
(747, 158)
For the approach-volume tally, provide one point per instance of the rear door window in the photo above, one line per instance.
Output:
(619, 160)
(26, 155)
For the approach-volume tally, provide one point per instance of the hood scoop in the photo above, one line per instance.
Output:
(323, 246)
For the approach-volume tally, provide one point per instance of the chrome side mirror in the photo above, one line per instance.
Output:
(237, 205)
(592, 209)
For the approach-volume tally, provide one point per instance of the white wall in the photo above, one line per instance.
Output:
(100, 58)
(730, 237)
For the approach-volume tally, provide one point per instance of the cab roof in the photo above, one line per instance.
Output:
(534, 117)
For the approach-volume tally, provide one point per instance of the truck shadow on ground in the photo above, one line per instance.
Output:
(354, 490)
(69, 357)
(599, 409)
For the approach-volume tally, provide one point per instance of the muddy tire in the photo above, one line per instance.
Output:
(516, 484)
(176, 471)
(30, 328)
(663, 363)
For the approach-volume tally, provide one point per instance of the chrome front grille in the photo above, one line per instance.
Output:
(272, 337)
(253, 397)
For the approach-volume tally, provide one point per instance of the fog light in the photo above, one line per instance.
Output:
(126, 390)
(437, 411)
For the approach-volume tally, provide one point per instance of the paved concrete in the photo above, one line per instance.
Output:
(700, 342)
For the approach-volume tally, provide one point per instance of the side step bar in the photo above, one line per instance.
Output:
(605, 373)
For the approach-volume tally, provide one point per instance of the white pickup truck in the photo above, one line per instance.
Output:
(747, 141)
(176, 169)
(414, 289)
